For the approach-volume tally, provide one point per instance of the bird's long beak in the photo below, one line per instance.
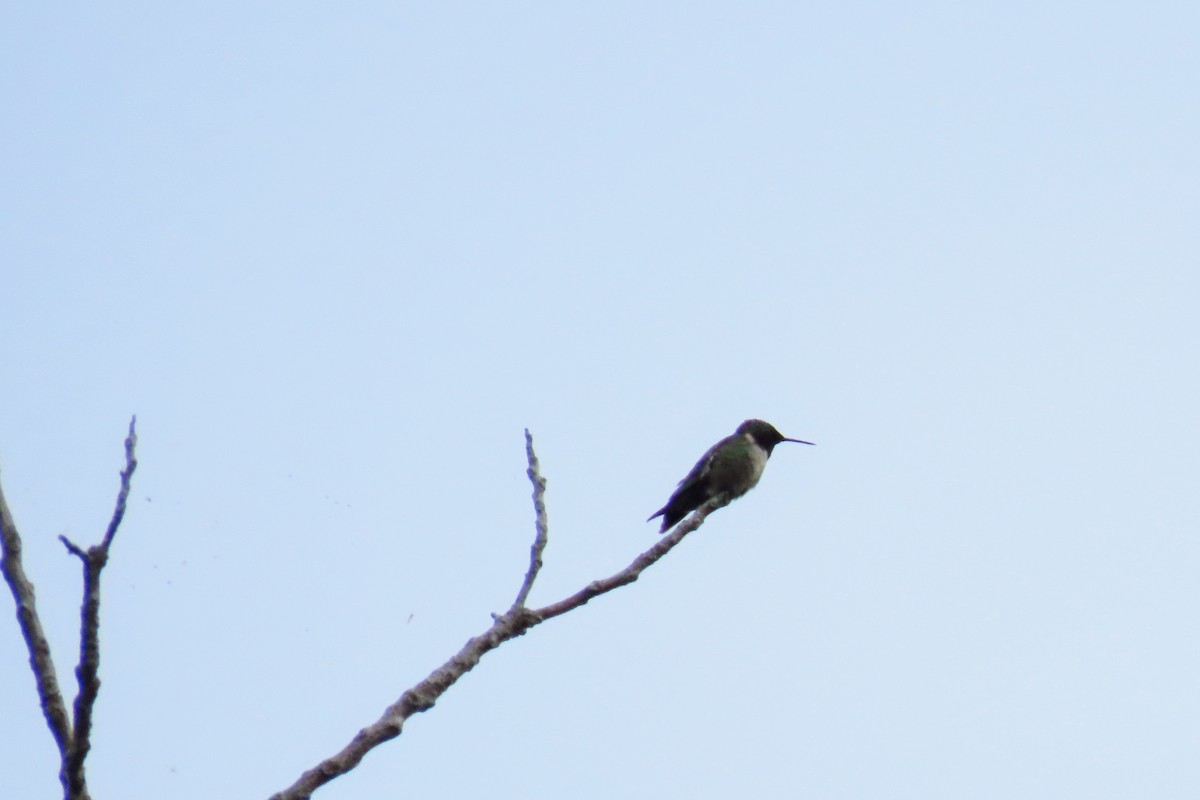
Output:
(798, 441)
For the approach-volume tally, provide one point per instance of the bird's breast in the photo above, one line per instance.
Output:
(758, 462)
(738, 469)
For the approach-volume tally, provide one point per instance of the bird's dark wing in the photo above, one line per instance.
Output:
(690, 493)
(700, 471)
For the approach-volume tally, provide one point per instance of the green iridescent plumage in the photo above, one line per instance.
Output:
(732, 467)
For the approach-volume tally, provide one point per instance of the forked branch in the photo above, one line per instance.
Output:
(73, 740)
(515, 622)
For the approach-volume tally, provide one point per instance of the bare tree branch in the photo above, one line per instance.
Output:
(40, 661)
(87, 673)
(516, 622)
(635, 569)
(539, 509)
(74, 741)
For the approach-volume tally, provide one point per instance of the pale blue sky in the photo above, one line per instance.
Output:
(336, 257)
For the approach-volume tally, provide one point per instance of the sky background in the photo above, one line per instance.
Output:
(337, 256)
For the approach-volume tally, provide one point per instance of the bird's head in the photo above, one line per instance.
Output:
(764, 434)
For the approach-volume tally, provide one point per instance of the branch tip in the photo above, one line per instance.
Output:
(73, 548)
(540, 523)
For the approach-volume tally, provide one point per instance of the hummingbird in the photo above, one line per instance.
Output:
(732, 466)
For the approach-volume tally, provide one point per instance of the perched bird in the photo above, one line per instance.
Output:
(732, 466)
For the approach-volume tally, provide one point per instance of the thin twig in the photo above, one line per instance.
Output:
(126, 476)
(635, 569)
(516, 622)
(539, 509)
(73, 548)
